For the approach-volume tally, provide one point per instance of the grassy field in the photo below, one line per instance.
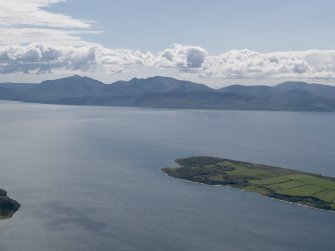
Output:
(281, 183)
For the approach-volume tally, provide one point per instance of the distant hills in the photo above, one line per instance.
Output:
(165, 92)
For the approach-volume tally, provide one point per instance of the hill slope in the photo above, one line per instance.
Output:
(164, 92)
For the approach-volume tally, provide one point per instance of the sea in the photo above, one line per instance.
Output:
(89, 178)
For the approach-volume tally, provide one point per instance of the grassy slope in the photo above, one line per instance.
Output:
(286, 184)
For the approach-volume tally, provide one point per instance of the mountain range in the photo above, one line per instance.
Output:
(165, 92)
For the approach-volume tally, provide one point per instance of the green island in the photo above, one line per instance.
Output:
(8, 206)
(299, 187)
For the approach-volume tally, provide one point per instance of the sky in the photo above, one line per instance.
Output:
(217, 42)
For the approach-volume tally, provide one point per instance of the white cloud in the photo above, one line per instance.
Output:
(35, 40)
(30, 12)
(181, 56)
(235, 64)
(45, 58)
(24, 36)
(25, 21)
(242, 64)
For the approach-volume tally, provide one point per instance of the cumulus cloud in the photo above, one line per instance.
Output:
(241, 64)
(182, 56)
(235, 64)
(46, 58)
(35, 40)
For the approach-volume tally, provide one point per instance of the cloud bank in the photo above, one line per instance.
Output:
(235, 64)
(37, 41)
(242, 64)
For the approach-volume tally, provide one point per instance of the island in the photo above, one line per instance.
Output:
(285, 184)
(8, 206)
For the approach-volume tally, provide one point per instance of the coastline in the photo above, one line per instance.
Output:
(8, 206)
(202, 174)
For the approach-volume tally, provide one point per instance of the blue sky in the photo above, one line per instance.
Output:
(217, 42)
(217, 25)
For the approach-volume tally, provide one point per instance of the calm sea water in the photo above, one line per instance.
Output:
(89, 178)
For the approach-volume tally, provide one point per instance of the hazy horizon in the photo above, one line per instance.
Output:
(210, 84)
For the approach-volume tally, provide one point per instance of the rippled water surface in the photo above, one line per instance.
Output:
(88, 178)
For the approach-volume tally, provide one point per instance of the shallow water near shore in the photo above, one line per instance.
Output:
(88, 178)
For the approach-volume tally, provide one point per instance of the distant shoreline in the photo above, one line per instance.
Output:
(170, 93)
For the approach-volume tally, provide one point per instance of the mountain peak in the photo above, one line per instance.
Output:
(73, 79)
(167, 92)
(165, 84)
(292, 85)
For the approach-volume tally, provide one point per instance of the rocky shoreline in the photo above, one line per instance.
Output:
(8, 206)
